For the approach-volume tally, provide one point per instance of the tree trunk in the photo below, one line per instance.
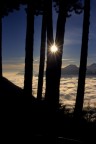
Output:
(42, 58)
(54, 62)
(60, 31)
(83, 61)
(49, 87)
(0, 47)
(29, 51)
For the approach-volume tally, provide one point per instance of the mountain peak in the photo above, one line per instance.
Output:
(73, 69)
(71, 66)
(91, 69)
(92, 65)
(70, 69)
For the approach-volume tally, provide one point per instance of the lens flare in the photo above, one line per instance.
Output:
(53, 49)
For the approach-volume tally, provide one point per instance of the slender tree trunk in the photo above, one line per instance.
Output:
(49, 86)
(29, 51)
(83, 61)
(0, 47)
(60, 31)
(42, 58)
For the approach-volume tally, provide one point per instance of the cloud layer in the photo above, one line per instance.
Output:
(68, 88)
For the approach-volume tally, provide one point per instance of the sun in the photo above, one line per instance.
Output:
(53, 49)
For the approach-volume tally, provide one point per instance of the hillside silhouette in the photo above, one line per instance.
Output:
(10, 93)
(15, 111)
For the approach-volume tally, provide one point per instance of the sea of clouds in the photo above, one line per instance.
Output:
(68, 88)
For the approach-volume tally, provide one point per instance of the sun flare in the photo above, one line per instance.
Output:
(54, 49)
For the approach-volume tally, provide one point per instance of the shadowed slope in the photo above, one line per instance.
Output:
(7, 88)
(16, 111)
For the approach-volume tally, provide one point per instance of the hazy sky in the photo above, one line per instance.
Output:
(14, 34)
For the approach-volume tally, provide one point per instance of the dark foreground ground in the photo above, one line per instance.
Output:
(24, 119)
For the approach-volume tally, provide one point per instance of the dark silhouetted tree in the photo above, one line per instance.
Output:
(61, 21)
(3, 12)
(54, 62)
(5, 8)
(49, 65)
(83, 61)
(42, 55)
(29, 49)
(0, 47)
(33, 8)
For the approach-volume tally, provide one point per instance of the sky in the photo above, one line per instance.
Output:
(14, 35)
